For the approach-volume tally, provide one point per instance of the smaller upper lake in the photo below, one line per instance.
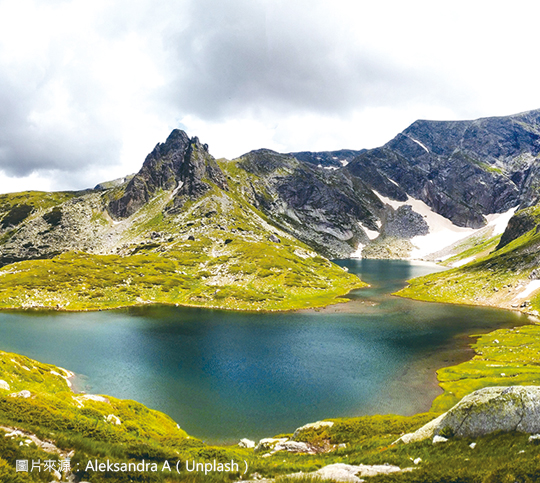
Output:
(223, 376)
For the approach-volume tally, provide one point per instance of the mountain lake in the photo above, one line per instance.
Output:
(224, 376)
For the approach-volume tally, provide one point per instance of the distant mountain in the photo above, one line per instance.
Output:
(328, 159)
(463, 170)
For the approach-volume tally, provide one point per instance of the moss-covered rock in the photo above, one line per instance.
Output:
(486, 411)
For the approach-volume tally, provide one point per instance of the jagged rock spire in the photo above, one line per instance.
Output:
(180, 162)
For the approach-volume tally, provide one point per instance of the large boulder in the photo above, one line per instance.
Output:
(312, 426)
(514, 408)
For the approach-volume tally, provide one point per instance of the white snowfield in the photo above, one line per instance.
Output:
(442, 232)
(371, 234)
(462, 262)
(418, 142)
(358, 252)
(529, 289)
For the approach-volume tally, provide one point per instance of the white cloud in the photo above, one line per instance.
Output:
(88, 88)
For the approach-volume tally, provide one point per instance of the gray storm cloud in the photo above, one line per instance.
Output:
(250, 57)
(38, 134)
(93, 76)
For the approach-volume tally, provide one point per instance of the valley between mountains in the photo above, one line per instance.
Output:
(257, 233)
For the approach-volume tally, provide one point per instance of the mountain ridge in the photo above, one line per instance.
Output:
(378, 203)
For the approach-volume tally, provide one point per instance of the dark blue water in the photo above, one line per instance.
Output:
(223, 375)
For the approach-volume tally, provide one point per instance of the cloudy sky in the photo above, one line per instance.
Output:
(87, 88)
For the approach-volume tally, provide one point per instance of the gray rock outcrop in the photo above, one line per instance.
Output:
(404, 223)
(246, 443)
(180, 163)
(485, 411)
(324, 208)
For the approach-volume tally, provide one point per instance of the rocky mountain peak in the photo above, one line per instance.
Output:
(180, 163)
(443, 163)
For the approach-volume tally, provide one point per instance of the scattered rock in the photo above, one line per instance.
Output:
(93, 397)
(293, 447)
(534, 438)
(268, 444)
(111, 418)
(339, 472)
(439, 439)
(24, 393)
(13, 434)
(274, 239)
(344, 472)
(246, 443)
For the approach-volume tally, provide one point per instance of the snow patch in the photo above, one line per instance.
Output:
(343, 162)
(180, 184)
(330, 167)
(462, 262)
(442, 232)
(358, 252)
(499, 221)
(371, 234)
(529, 289)
(419, 143)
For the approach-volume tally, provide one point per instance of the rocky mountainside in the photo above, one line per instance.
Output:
(324, 208)
(339, 202)
(180, 164)
(179, 231)
(328, 159)
(462, 170)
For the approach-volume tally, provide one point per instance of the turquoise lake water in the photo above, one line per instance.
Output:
(224, 376)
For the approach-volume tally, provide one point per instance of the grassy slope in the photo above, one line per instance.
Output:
(475, 246)
(74, 423)
(505, 357)
(215, 253)
(272, 279)
(498, 279)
